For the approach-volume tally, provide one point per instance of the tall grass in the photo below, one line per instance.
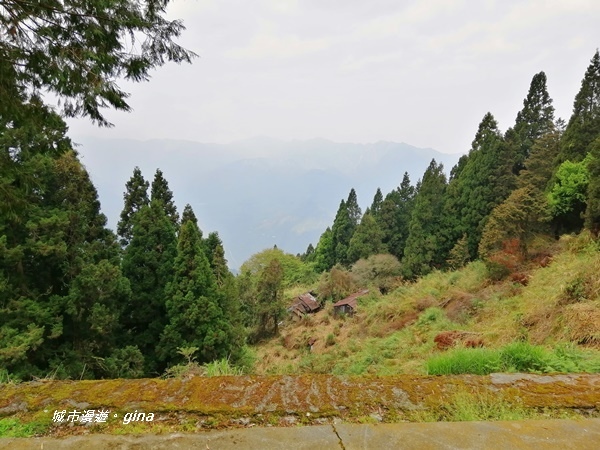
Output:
(515, 357)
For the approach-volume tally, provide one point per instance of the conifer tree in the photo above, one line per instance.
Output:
(367, 239)
(269, 307)
(160, 192)
(325, 252)
(354, 212)
(592, 213)
(422, 251)
(195, 317)
(148, 264)
(376, 205)
(135, 197)
(188, 214)
(584, 125)
(342, 231)
(61, 289)
(484, 181)
(394, 217)
(534, 120)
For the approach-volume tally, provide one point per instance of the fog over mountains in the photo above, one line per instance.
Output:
(259, 192)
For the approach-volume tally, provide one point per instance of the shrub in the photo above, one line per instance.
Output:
(478, 361)
(330, 340)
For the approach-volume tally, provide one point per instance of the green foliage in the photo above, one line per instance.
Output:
(336, 284)
(592, 212)
(584, 125)
(148, 264)
(222, 367)
(533, 121)
(485, 180)
(394, 216)
(567, 197)
(459, 255)
(366, 241)
(424, 240)
(515, 357)
(295, 271)
(466, 406)
(161, 193)
(77, 49)
(195, 317)
(381, 270)
(14, 428)
(135, 198)
(269, 303)
(325, 252)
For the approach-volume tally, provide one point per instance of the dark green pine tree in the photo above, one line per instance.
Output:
(325, 252)
(345, 223)
(210, 245)
(485, 180)
(376, 205)
(269, 305)
(534, 120)
(592, 213)
(394, 217)
(195, 317)
(135, 197)
(422, 252)
(228, 298)
(61, 289)
(160, 192)
(367, 239)
(148, 264)
(354, 212)
(584, 125)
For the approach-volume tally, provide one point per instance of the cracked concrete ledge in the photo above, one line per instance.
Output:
(538, 434)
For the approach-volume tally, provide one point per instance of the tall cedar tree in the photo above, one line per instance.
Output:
(377, 201)
(148, 264)
(61, 289)
(160, 192)
(227, 295)
(344, 225)
(269, 306)
(394, 217)
(484, 181)
(195, 317)
(325, 252)
(584, 125)
(77, 49)
(135, 198)
(534, 120)
(592, 213)
(424, 239)
(367, 239)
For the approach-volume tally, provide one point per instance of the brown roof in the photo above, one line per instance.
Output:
(309, 301)
(351, 300)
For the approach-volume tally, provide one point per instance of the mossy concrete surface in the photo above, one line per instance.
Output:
(221, 402)
(527, 434)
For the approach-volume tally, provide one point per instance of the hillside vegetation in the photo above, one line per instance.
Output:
(544, 317)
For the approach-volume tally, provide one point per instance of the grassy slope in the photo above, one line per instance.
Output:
(393, 334)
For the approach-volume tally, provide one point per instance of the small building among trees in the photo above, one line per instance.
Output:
(304, 304)
(349, 304)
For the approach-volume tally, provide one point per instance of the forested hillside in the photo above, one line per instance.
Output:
(78, 301)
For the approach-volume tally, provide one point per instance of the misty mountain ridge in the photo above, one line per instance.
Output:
(257, 192)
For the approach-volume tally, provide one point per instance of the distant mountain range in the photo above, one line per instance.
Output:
(258, 192)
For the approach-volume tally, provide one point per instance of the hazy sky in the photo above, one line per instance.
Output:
(423, 72)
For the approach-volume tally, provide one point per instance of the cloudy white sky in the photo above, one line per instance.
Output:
(422, 72)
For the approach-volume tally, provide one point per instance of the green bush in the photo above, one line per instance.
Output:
(478, 361)
(515, 357)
